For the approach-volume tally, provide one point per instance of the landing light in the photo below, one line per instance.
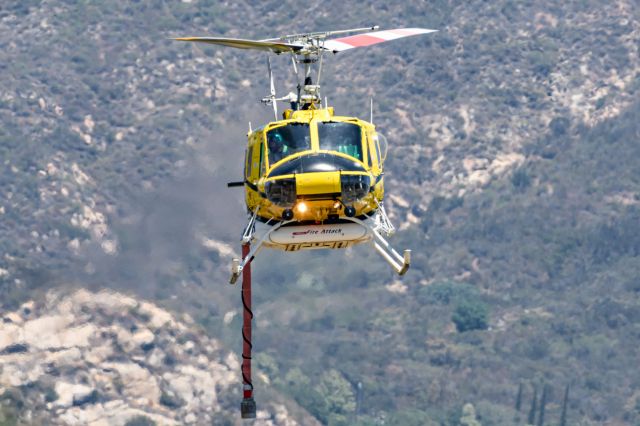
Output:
(302, 207)
(350, 211)
(336, 205)
(287, 214)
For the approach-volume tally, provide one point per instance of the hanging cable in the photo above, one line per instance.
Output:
(247, 340)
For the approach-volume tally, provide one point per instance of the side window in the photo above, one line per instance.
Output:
(263, 165)
(377, 142)
(247, 162)
(369, 147)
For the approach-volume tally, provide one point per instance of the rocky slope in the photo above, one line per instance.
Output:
(109, 359)
(512, 175)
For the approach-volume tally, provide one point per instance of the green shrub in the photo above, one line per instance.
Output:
(140, 421)
(268, 365)
(50, 394)
(470, 314)
(409, 417)
(520, 179)
(171, 400)
(469, 416)
(337, 393)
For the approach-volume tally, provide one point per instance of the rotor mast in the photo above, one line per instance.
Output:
(312, 53)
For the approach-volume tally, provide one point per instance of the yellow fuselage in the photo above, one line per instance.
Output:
(313, 164)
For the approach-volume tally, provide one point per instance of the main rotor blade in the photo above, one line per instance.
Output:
(270, 46)
(374, 37)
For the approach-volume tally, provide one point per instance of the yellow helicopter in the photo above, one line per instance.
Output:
(313, 179)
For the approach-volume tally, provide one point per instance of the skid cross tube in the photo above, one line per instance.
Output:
(248, 404)
(237, 265)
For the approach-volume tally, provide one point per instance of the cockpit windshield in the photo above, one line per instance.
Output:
(341, 137)
(286, 140)
(317, 162)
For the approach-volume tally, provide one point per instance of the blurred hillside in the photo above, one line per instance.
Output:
(512, 175)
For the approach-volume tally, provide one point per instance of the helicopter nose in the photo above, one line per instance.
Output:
(318, 183)
(354, 187)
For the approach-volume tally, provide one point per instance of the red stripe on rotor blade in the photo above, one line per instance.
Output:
(360, 40)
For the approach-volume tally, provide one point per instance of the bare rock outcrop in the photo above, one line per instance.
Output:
(107, 359)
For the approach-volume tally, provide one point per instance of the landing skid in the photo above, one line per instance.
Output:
(374, 228)
(400, 264)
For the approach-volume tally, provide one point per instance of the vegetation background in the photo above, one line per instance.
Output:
(512, 175)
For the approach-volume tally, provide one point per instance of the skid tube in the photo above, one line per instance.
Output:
(399, 263)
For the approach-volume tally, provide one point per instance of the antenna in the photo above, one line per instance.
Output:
(272, 91)
(320, 67)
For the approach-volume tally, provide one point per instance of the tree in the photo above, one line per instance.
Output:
(563, 416)
(543, 403)
(520, 179)
(296, 382)
(469, 416)
(518, 403)
(519, 398)
(409, 417)
(337, 393)
(531, 420)
(470, 314)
